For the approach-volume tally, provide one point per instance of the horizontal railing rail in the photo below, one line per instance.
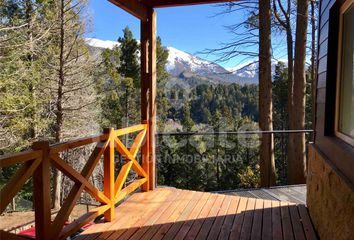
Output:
(232, 132)
(36, 163)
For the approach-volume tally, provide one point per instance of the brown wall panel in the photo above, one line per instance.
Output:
(322, 51)
(324, 33)
(321, 80)
(322, 65)
(321, 97)
(339, 153)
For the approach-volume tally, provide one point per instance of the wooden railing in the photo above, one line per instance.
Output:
(37, 164)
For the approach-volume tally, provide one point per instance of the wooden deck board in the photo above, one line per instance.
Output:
(229, 219)
(208, 223)
(291, 193)
(219, 221)
(198, 223)
(194, 215)
(154, 218)
(168, 213)
(171, 233)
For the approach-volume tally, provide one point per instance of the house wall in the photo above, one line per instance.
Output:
(338, 152)
(329, 199)
(330, 177)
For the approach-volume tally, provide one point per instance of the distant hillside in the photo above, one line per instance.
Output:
(249, 70)
(192, 69)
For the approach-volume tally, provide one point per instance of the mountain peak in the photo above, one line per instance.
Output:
(250, 69)
(189, 67)
(179, 61)
(98, 43)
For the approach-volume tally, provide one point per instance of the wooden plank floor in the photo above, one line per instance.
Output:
(291, 193)
(169, 213)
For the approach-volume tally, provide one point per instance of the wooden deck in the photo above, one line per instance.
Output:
(291, 193)
(168, 213)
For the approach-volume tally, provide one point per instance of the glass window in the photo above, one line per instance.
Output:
(345, 118)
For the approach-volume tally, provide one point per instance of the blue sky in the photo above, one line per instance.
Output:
(191, 29)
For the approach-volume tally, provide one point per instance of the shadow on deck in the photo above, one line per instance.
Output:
(168, 213)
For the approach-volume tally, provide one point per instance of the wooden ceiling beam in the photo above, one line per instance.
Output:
(175, 3)
(134, 7)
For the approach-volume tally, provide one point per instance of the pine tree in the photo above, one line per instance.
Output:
(24, 28)
(110, 88)
(162, 75)
(129, 69)
(265, 96)
(280, 97)
(129, 62)
(187, 121)
(70, 73)
(297, 144)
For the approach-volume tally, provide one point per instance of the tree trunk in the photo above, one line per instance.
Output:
(30, 58)
(126, 138)
(297, 155)
(290, 44)
(58, 178)
(267, 164)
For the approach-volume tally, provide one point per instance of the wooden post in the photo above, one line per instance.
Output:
(41, 192)
(108, 181)
(144, 58)
(152, 97)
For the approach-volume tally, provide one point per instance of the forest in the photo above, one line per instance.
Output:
(54, 88)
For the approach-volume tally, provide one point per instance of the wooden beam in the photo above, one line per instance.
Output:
(70, 172)
(152, 98)
(108, 165)
(41, 192)
(134, 149)
(122, 176)
(131, 129)
(81, 221)
(11, 236)
(129, 189)
(9, 191)
(126, 154)
(6, 161)
(134, 7)
(144, 83)
(176, 3)
(60, 147)
(76, 190)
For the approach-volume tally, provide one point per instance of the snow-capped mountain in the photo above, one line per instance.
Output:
(193, 69)
(98, 43)
(179, 61)
(250, 69)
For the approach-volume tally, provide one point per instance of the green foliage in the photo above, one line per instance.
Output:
(232, 100)
(280, 97)
(129, 66)
(163, 105)
(249, 177)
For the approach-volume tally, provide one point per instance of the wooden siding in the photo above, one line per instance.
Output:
(339, 153)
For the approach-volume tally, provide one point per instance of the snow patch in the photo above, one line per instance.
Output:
(193, 63)
(94, 42)
(250, 69)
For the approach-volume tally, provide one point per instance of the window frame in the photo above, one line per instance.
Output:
(343, 9)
